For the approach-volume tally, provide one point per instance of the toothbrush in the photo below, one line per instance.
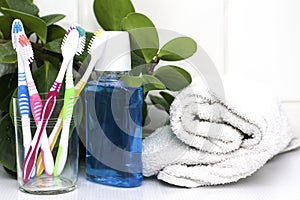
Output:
(94, 50)
(69, 47)
(68, 109)
(36, 103)
(23, 96)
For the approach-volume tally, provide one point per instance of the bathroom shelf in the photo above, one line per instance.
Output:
(278, 179)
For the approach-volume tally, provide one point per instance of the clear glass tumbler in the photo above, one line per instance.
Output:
(41, 182)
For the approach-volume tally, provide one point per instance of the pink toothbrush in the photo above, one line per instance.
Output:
(36, 103)
(69, 47)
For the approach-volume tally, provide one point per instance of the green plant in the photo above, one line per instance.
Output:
(46, 38)
(120, 15)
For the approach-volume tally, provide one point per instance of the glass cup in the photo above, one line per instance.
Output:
(40, 182)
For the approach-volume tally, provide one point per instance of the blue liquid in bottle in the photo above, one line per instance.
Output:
(114, 133)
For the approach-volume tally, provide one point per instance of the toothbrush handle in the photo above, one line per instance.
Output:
(23, 97)
(51, 141)
(26, 130)
(79, 87)
(58, 126)
(29, 162)
(24, 109)
(47, 157)
(36, 107)
(36, 102)
(30, 159)
(62, 153)
(67, 116)
(26, 134)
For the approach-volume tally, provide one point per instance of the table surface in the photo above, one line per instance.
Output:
(278, 179)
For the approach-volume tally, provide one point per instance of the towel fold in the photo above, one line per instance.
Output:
(213, 140)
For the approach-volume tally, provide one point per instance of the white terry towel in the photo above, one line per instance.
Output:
(215, 141)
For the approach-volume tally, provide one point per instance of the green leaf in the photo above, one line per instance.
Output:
(151, 83)
(138, 65)
(23, 6)
(55, 32)
(178, 49)
(132, 81)
(7, 53)
(109, 14)
(41, 58)
(7, 143)
(54, 46)
(51, 19)
(31, 22)
(138, 70)
(11, 108)
(44, 77)
(163, 102)
(8, 84)
(168, 97)
(5, 26)
(11, 173)
(160, 103)
(3, 4)
(136, 60)
(143, 35)
(144, 113)
(174, 78)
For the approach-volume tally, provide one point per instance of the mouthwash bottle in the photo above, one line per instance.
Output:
(113, 114)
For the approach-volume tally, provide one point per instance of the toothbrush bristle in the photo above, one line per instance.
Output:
(80, 31)
(98, 32)
(17, 28)
(70, 29)
(70, 42)
(93, 40)
(80, 48)
(23, 41)
(20, 41)
(26, 48)
(82, 38)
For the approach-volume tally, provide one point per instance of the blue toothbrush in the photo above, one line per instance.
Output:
(23, 94)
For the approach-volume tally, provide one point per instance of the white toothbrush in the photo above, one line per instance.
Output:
(69, 47)
(23, 95)
(68, 109)
(59, 123)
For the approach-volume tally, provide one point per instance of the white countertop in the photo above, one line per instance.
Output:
(278, 179)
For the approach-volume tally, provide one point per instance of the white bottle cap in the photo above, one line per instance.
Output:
(116, 54)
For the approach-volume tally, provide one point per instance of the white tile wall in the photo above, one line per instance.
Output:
(264, 43)
(66, 7)
(255, 38)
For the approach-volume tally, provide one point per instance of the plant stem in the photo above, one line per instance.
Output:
(150, 68)
(2, 41)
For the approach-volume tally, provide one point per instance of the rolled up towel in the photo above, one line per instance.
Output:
(211, 140)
